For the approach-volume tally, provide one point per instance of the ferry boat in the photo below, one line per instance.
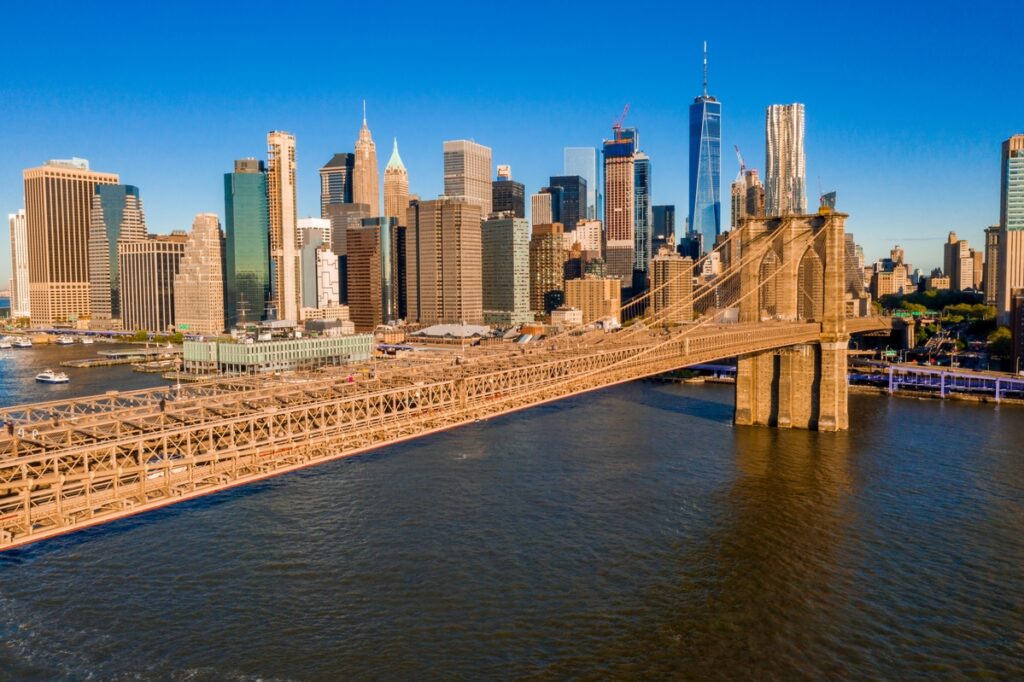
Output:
(22, 342)
(87, 340)
(5, 343)
(51, 377)
(64, 340)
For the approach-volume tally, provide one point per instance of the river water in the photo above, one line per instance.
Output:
(631, 533)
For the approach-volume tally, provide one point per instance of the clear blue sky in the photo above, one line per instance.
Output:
(907, 103)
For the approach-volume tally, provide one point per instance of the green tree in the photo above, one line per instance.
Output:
(141, 335)
(1000, 342)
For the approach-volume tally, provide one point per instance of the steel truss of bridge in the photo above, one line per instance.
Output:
(66, 465)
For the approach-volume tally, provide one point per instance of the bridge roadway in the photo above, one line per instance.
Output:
(72, 464)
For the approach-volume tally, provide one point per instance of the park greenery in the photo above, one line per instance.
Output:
(964, 312)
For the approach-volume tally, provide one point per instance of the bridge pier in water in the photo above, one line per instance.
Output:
(798, 276)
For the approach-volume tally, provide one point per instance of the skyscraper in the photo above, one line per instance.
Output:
(643, 223)
(506, 269)
(785, 164)
(373, 273)
(443, 252)
(343, 217)
(958, 263)
(467, 172)
(507, 194)
(20, 306)
(572, 199)
(396, 187)
(597, 296)
(58, 209)
(1011, 225)
(284, 256)
(582, 161)
(547, 267)
(620, 216)
(246, 244)
(336, 181)
(199, 283)
(147, 268)
(365, 174)
(116, 216)
(672, 287)
(747, 200)
(706, 164)
(312, 241)
(664, 226)
(541, 208)
(991, 280)
(308, 225)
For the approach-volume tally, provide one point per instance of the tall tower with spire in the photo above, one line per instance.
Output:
(396, 187)
(365, 176)
(705, 200)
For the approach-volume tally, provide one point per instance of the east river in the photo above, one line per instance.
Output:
(632, 533)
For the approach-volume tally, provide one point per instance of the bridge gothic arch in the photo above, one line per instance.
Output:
(810, 297)
(768, 284)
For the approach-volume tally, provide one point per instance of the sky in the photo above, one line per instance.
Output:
(906, 103)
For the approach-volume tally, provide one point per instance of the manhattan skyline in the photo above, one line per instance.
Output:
(886, 122)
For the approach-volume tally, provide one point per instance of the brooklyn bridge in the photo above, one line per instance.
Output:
(778, 307)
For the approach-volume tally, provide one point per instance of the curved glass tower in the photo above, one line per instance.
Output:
(706, 165)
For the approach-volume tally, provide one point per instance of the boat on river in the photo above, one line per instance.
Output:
(51, 377)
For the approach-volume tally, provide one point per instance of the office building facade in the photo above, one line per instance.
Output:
(373, 271)
(467, 173)
(336, 181)
(508, 196)
(58, 212)
(643, 222)
(1011, 225)
(582, 161)
(147, 268)
(343, 217)
(443, 270)
(20, 305)
(505, 264)
(116, 215)
(991, 277)
(305, 228)
(572, 199)
(199, 283)
(246, 244)
(664, 218)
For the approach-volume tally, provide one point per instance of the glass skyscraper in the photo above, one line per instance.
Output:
(116, 217)
(246, 244)
(706, 166)
(572, 198)
(643, 222)
(582, 161)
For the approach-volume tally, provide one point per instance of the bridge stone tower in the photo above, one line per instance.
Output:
(793, 270)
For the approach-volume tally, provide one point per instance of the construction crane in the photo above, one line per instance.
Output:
(739, 157)
(617, 125)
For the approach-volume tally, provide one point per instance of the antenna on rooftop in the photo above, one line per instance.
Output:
(705, 68)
